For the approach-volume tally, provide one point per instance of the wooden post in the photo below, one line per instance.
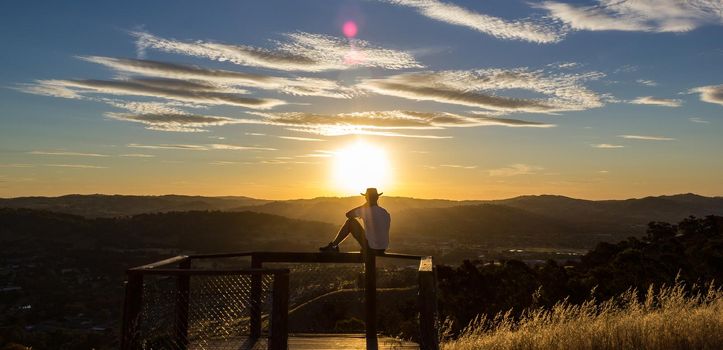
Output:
(183, 299)
(131, 311)
(255, 316)
(370, 299)
(279, 333)
(428, 305)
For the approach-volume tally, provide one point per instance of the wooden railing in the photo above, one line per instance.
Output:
(427, 298)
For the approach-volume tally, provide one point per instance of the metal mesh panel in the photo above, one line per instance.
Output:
(329, 298)
(216, 309)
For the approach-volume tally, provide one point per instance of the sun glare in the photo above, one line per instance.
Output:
(360, 165)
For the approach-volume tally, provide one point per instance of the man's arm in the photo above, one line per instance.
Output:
(352, 213)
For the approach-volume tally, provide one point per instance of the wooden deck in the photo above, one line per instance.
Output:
(340, 342)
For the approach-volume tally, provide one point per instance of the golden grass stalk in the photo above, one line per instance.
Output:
(667, 318)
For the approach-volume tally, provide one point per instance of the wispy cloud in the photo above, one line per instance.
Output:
(711, 93)
(657, 101)
(305, 139)
(302, 86)
(515, 170)
(136, 155)
(607, 146)
(203, 93)
(178, 122)
(298, 52)
(638, 15)
(647, 138)
(169, 146)
(383, 122)
(698, 120)
(477, 88)
(208, 147)
(537, 31)
(646, 82)
(17, 165)
(79, 166)
(457, 166)
(66, 153)
(239, 148)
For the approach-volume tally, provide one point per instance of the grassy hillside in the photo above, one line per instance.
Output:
(668, 318)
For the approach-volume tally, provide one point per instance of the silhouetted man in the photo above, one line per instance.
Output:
(375, 233)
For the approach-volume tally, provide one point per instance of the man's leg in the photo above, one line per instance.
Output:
(353, 227)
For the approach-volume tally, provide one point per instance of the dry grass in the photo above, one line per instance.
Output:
(668, 318)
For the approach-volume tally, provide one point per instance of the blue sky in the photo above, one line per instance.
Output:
(469, 99)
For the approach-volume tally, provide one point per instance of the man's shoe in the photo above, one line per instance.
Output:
(330, 248)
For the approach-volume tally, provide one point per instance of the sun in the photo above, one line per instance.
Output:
(359, 166)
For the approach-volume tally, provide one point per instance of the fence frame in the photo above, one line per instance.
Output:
(278, 337)
(134, 298)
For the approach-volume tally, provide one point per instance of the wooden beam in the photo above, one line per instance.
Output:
(428, 322)
(131, 311)
(370, 300)
(175, 272)
(291, 257)
(255, 314)
(279, 332)
(183, 285)
(157, 264)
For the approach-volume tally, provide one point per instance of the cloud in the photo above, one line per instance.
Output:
(657, 101)
(178, 122)
(65, 153)
(305, 139)
(239, 148)
(298, 52)
(16, 165)
(137, 155)
(208, 147)
(382, 123)
(170, 89)
(476, 88)
(514, 170)
(647, 138)
(459, 166)
(169, 146)
(711, 93)
(698, 120)
(607, 146)
(647, 82)
(526, 30)
(302, 86)
(79, 166)
(638, 15)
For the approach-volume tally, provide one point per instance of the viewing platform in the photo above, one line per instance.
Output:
(234, 301)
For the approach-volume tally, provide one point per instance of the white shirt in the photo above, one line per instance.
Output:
(376, 225)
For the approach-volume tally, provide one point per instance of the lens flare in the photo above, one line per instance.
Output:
(350, 29)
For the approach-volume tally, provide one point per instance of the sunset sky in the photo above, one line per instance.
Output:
(296, 99)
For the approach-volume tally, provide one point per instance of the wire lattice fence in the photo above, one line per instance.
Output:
(213, 312)
(329, 298)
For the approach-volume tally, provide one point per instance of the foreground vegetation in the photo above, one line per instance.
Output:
(669, 318)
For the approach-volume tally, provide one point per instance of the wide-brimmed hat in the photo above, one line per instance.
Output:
(372, 192)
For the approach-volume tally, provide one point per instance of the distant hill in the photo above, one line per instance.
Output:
(98, 205)
(332, 209)
(546, 220)
(33, 231)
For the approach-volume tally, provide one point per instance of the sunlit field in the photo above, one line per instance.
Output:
(668, 318)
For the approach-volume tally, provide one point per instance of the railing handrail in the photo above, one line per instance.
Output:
(304, 256)
(215, 272)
